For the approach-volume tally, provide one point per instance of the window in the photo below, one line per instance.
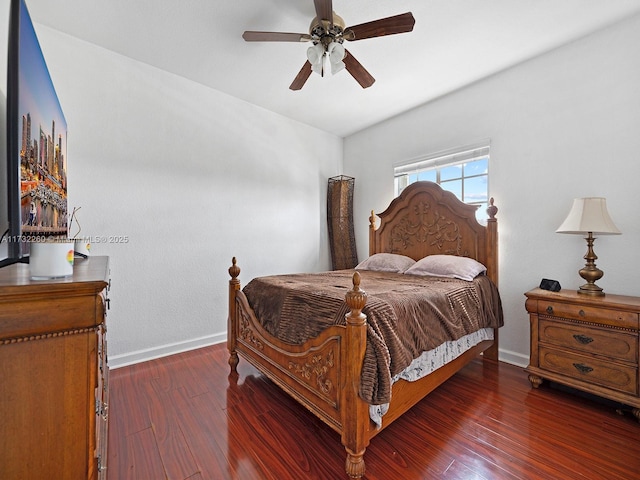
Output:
(463, 171)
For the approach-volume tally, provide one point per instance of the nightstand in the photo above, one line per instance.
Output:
(588, 343)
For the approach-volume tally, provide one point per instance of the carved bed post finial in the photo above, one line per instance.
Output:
(356, 299)
(492, 209)
(232, 320)
(234, 270)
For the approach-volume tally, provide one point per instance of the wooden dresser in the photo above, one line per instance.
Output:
(588, 343)
(54, 373)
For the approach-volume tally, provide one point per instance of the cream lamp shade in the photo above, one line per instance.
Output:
(589, 216)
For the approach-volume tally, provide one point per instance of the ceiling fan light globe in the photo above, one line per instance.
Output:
(336, 53)
(336, 50)
(318, 68)
(337, 67)
(315, 55)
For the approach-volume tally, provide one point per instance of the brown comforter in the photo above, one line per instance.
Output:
(406, 315)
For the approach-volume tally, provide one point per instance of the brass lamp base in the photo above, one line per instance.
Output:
(590, 272)
(591, 289)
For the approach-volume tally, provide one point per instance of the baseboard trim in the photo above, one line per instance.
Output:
(117, 361)
(125, 359)
(513, 358)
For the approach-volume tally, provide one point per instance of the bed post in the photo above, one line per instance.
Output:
(492, 242)
(232, 320)
(355, 411)
(492, 267)
(372, 234)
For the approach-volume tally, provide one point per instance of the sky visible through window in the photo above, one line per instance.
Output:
(468, 181)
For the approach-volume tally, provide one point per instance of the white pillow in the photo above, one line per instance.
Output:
(452, 266)
(386, 262)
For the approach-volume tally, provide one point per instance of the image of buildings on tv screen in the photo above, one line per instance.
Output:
(43, 139)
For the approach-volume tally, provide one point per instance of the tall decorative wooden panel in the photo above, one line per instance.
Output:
(340, 219)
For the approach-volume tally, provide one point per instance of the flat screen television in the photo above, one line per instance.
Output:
(36, 143)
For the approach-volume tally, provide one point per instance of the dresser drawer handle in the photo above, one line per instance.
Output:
(550, 310)
(581, 313)
(583, 339)
(582, 368)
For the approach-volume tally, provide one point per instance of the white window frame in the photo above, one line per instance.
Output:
(443, 159)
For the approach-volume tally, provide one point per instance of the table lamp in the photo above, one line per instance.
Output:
(589, 216)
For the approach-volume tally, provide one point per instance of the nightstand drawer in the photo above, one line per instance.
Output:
(588, 369)
(610, 343)
(590, 314)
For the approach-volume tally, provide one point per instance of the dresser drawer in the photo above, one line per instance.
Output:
(588, 313)
(610, 343)
(591, 370)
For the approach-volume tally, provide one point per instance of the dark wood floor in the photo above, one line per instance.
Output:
(180, 417)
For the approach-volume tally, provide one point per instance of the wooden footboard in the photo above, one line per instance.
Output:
(323, 374)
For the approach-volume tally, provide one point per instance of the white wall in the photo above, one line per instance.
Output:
(191, 177)
(563, 125)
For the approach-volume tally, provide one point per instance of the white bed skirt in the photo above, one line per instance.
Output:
(430, 361)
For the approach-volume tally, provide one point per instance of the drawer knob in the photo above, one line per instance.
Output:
(550, 310)
(581, 313)
(583, 339)
(582, 368)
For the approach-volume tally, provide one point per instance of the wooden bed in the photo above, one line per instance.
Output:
(323, 374)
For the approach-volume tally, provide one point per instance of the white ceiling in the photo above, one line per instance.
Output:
(454, 43)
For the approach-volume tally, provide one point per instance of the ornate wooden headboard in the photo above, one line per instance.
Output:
(427, 220)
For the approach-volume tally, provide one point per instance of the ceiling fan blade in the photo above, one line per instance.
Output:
(251, 36)
(302, 76)
(385, 26)
(324, 10)
(357, 71)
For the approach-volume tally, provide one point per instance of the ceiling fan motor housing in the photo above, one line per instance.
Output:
(325, 32)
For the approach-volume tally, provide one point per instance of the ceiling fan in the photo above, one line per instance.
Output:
(327, 33)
